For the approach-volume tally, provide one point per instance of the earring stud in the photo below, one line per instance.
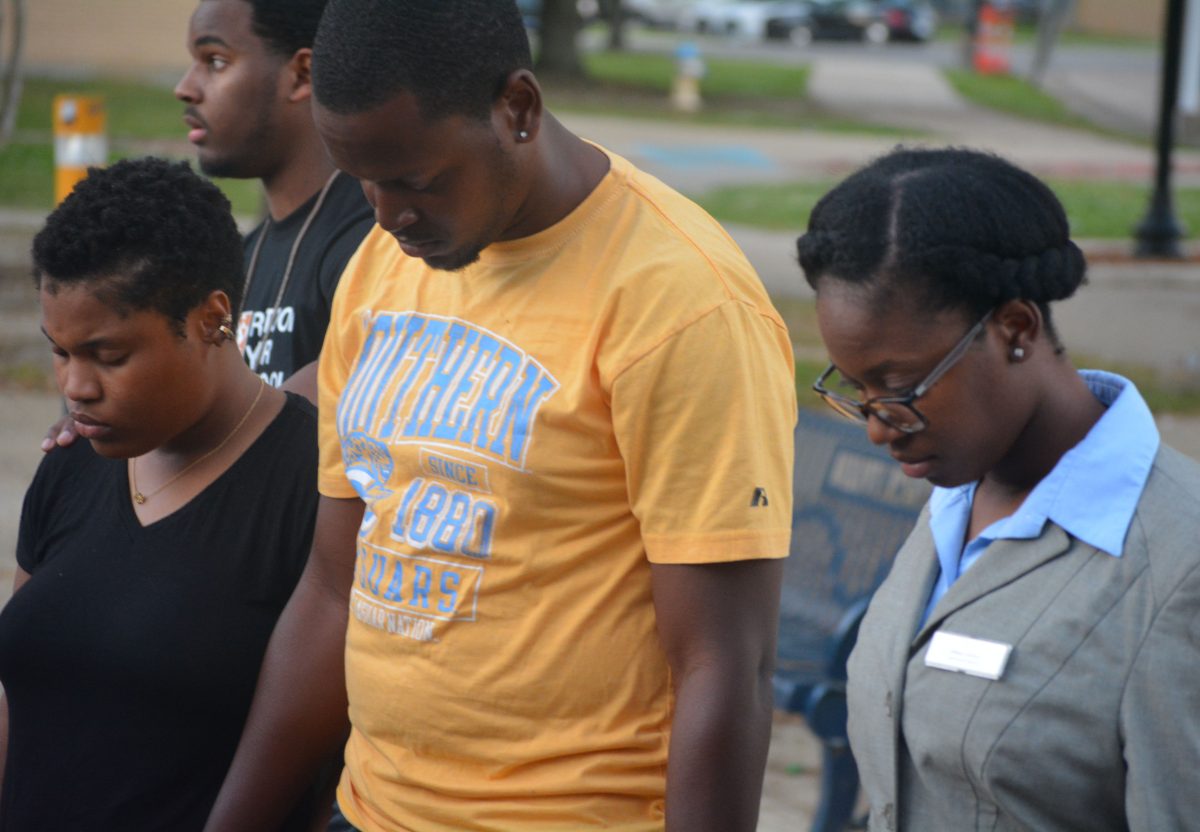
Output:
(522, 135)
(1018, 353)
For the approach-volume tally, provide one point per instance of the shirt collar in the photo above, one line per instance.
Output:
(1093, 490)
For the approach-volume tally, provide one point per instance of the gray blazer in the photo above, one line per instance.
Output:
(1095, 724)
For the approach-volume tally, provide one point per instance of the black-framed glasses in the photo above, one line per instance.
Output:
(897, 411)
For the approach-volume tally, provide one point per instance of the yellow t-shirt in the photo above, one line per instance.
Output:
(529, 434)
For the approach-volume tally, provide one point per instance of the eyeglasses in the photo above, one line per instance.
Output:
(897, 411)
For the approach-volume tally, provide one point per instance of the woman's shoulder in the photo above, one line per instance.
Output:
(1167, 519)
(288, 447)
(295, 420)
(1173, 486)
(77, 462)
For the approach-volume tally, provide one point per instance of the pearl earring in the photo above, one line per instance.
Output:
(1018, 353)
(522, 135)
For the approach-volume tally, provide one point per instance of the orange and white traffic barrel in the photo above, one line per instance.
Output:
(994, 39)
(80, 140)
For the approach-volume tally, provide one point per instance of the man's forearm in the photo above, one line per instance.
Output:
(719, 738)
(298, 717)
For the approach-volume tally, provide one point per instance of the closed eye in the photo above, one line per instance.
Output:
(112, 359)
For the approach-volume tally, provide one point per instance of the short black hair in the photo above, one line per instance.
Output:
(152, 233)
(454, 56)
(950, 227)
(286, 25)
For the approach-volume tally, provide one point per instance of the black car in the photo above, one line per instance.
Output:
(875, 21)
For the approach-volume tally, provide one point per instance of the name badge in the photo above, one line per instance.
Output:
(963, 654)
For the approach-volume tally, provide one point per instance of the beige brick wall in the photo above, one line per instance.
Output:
(1143, 18)
(132, 37)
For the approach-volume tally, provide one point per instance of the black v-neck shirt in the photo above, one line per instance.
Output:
(130, 657)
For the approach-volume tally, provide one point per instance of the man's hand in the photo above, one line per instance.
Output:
(60, 435)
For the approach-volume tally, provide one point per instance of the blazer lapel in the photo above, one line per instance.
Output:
(1002, 563)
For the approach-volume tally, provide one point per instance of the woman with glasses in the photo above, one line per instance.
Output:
(1033, 659)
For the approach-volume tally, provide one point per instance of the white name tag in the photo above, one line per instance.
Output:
(963, 654)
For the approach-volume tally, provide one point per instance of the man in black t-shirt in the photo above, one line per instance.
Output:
(248, 112)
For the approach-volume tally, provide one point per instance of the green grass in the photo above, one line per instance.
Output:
(143, 119)
(723, 78)
(135, 111)
(1096, 209)
(1026, 35)
(1014, 96)
(27, 176)
(735, 92)
(782, 207)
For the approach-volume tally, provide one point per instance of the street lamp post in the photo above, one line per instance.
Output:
(1159, 232)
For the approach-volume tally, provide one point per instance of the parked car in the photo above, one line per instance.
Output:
(752, 19)
(531, 11)
(657, 14)
(875, 21)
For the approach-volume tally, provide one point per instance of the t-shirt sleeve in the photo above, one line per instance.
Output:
(704, 422)
(57, 472)
(29, 532)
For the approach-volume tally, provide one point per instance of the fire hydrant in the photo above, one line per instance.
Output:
(689, 69)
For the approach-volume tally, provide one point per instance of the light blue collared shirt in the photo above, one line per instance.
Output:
(1091, 493)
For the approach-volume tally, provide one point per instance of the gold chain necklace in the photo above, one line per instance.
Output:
(140, 498)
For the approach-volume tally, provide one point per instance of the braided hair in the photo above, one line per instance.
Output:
(950, 228)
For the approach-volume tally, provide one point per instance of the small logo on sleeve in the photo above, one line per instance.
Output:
(759, 498)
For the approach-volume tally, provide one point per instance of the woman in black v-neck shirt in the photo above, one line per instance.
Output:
(154, 558)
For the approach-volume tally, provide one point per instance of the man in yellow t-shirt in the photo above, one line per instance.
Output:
(556, 415)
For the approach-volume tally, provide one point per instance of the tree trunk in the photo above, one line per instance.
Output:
(10, 74)
(616, 25)
(1050, 25)
(558, 53)
(970, 30)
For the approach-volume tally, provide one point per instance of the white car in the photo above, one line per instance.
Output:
(659, 14)
(747, 19)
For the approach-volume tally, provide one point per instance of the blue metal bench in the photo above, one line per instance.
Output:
(853, 509)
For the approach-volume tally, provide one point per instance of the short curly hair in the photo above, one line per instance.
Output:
(950, 227)
(453, 56)
(286, 26)
(152, 232)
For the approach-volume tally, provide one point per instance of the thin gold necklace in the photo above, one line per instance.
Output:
(140, 498)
